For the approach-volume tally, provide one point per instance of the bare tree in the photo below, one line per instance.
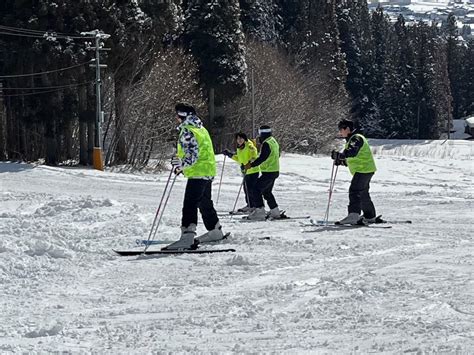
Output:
(149, 108)
(297, 104)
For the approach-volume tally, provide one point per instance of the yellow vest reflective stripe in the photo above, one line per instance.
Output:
(272, 164)
(246, 155)
(206, 162)
(364, 161)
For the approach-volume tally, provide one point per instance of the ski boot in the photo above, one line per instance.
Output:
(212, 236)
(351, 218)
(186, 242)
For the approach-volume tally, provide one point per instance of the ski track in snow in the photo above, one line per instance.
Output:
(407, 289)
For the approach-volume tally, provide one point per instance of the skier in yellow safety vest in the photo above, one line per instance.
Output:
(246, 153)
(197, 162)
(269, 163)
(358, 157)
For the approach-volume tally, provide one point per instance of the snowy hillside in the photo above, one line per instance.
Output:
(288, 288)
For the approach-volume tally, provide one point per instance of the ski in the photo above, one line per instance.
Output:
(171, 252)
(230, 213)
(283, 217)
(145, 242)
(334, 227)
(246, 220)
(378, 220)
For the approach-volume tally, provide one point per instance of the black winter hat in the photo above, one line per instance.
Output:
(265, 130)
(183, 110)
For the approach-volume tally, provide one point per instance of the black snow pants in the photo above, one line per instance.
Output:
(198, 195)
(250, 182)
(359, 197)
(263, 190)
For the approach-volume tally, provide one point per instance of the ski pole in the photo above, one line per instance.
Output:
(163, 211)
(220, 182)
(161, 202)
(331, 188)
(331, 192)
(238, 194)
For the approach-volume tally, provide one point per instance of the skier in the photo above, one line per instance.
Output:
(358, 157)
(195, 159)
(269, 163)
(246, 152)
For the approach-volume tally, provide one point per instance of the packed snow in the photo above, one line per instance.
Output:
(287, 288)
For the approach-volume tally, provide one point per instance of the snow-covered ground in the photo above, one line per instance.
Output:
(408, 289)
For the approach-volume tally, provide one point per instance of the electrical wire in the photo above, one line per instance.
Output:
(39, 87)
(46, 72)
(43, 36)
(39, 34)
(48, 91)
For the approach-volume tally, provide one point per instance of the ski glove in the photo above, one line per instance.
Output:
(176, 164)
(339, 158)
(227, 153)
(339, 161)
(175, 161)
(247, 166)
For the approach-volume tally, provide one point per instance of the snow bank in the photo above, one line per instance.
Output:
(433, 149)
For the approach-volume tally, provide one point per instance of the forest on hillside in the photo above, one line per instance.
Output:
(299, 66)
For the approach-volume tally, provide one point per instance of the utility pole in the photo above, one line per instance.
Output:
(97, 154)
(449, 125)
(253, 108)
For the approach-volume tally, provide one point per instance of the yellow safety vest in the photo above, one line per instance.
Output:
(206, 163)
(247, 155)
(272, 164)
(364, 161)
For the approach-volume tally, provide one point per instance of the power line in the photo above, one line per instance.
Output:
(21, 35)
(46, 72)
(48, 91)
(40, 87)
(24, 32)
(29, 30)
(43, 36)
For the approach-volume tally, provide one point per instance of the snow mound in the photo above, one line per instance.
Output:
(437, 149)
(238, 260)
(45, 331)
(56, 207)
(40, 248)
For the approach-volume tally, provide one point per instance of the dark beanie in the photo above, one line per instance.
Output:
(265, 130)
(183, 110)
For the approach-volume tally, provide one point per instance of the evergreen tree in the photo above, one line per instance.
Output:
(455, 64)
(213, 32)
(259, 20)
(40, 124)
(293, 26)
(398, 102)
(381, 33)
(434, 96)
(468, 80)
(357, 45)
(311, 36)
